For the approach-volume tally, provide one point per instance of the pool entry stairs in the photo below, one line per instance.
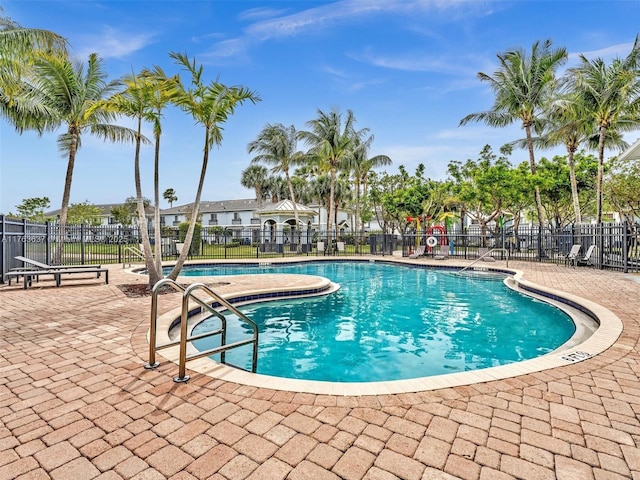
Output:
(215, 305)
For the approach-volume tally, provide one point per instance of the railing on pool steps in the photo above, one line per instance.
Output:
(485, 255)
(188, 294)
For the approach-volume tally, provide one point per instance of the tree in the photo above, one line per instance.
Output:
(276, 145)
(622, 186)
(20, 47)
(210, 105)
(482, 186)
(84, 214)
(361, 166)
(610, 96)
(522, 85)
(69, 93)
(255, 177)
(331, 138)
(32, 209)
(134, 102)
(170, 196)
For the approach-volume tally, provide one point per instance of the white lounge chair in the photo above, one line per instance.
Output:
(418, 253)
(340, 247)
(572, 256)
(442, 254)
(320, 248)
(37, 269)
(586, 260)
(483, 253)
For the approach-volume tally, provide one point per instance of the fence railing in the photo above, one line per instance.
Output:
(617, 245)
(112, 244)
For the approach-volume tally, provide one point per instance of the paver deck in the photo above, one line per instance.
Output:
(75, 403)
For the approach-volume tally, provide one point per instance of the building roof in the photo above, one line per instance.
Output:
(248, 204)
(631, 153)
(105, 209)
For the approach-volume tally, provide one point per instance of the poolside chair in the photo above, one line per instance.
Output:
(320, 248)
(418, 253)
(586, 260)
(483, 254)
(572, 256)
(38, 269)
(340, 247)
(442, 254)
(179, 247)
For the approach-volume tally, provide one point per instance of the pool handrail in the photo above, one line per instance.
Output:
(187, 294)
(486, 255)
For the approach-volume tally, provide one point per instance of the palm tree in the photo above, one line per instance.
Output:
(610, 96)
(276, 145)
(331, 140)
(135, 102)
(170, 196)
(20, 47)
(255, 176)
(70, 94)
(210, 105)
(162, 90)
(522, 85)
(361, 167)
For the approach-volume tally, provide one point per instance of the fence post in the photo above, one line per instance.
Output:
(625, 247)
(47, 240)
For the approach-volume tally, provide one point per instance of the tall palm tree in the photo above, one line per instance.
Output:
(522, 85)
(610, 96)
(135, 102)
(361, 167)
(331, 140)
(276, 145)
(162, 91)
(69, 93)
(255, 177)
(210, 105)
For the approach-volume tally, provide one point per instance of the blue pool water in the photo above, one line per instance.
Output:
(390, 322)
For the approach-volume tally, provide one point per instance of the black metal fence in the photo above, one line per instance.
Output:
(115, 244)
(617, 246)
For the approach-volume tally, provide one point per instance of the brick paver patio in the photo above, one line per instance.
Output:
(75, 404)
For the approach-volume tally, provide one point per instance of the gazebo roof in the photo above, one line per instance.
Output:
(631, 153)
(284, 207)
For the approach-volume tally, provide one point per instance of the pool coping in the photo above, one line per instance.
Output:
(610, 328)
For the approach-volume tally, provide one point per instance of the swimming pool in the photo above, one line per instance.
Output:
(391, 322)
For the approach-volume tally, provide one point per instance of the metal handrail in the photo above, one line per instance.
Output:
(154, 319)
(485, 255)
(187, 294)
(132, 251)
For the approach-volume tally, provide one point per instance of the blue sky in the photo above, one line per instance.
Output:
(406, 68)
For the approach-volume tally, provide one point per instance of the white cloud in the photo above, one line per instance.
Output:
(113, 43)
(328, 15)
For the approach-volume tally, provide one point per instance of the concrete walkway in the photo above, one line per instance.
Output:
(75, 404)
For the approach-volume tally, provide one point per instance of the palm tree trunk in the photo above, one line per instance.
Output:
(296, 231)
(156, 218)
(332, 203)
(196, 207)
(532, 164)
(599, 179)
(154, 277)
(66, 195)
(574, 187)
